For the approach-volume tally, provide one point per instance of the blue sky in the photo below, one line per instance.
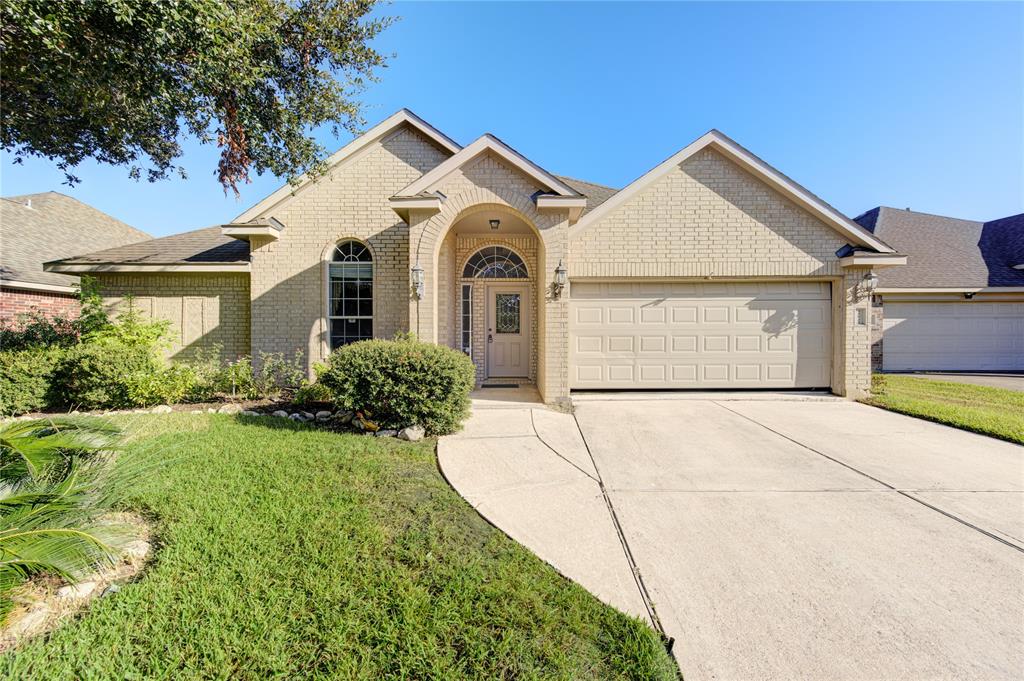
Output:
(916, 105)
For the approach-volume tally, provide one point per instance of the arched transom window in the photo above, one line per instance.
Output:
(350, 308)
(495, 262)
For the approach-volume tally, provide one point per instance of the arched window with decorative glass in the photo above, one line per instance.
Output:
(350, 308)
(495, 262)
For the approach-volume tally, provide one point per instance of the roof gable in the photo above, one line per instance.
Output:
(752, 165)
(483, 145)
(374, 134)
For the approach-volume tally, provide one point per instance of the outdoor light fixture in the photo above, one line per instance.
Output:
(494, 223)
(417, 280)
(561, 278)
(870, 282)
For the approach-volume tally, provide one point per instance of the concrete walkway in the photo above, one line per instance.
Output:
(785, 536)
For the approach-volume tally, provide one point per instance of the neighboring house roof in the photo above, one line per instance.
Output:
(948, 252)
(200, 250)
(35, 228)
(754, 165)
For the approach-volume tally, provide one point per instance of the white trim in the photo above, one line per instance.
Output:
(755, 166)
(403, 204)
(377, 132)
(575, 205)
(32, 286)
(872, 260)
(483, 144)
(244, 232)
(123, 267)
(952, 289)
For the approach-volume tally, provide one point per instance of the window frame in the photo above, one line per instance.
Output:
(330, 262)
(466, 317)
(476, 275)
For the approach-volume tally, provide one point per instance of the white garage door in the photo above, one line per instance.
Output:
(694, 335)
(967, 336)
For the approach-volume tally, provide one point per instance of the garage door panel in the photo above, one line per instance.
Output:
(953, 336)
(697, 335)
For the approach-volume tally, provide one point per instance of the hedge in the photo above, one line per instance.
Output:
(25, 377)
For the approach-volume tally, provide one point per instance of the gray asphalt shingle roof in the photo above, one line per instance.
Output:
(55, 226)
(200, 246)
(209, 246)
(945, 252)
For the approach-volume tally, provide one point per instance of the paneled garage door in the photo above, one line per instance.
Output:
(696, 335)
(968, 336)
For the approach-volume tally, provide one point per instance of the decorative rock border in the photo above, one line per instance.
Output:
(340, 418)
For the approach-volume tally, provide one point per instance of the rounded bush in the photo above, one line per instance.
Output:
(25, 377)
(98, 375)
(401, 383)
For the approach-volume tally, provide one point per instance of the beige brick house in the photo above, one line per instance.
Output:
(713, 270)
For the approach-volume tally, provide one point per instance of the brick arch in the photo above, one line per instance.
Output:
(462, 205)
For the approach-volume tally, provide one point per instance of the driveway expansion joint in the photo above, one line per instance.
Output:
(620, 531)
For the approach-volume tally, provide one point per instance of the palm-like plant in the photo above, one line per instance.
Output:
(56, 489)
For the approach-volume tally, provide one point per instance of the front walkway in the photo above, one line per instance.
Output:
(526, 469)
(773, 536)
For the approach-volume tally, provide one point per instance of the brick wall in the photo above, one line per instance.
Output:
(709, 218)
(289, 281)
(205, 310)
(15, 302)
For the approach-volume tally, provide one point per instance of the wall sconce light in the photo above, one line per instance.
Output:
(417, 280)
(561, 278)
(969, 295)
(494, 224)
(869, 283)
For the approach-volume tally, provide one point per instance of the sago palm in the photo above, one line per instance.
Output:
(56, 490)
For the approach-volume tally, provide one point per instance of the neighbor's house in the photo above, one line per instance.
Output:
(35, 228)
(712, 270)
(958, 305)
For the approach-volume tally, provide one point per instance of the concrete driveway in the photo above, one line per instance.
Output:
(779, 537)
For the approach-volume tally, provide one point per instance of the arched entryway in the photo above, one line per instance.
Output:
(487, 293)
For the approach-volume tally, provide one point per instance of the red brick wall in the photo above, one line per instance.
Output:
(14, 303)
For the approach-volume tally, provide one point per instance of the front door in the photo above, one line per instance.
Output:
(508, 331)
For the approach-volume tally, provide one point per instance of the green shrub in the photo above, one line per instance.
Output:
(36, 330)
(98, 374)
(315, 392)
(403, 382)
(25, 378)
(174, 384)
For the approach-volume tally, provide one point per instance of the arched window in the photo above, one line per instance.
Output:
(495, 262)
(350, 308)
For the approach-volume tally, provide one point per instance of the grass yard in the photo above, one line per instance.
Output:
(286, 552)
(989, 411)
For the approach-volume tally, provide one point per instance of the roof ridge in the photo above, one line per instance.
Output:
(934, 215)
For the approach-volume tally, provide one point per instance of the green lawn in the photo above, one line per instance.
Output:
(286, 552)
(989, 411)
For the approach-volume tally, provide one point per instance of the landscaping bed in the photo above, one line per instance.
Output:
(285, 551)
(990, 411)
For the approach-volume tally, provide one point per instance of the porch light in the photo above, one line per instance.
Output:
(494, 224)
(417, 280)
(870, 281)
(561, 278)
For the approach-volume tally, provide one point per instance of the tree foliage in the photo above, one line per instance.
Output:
(124, 81)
